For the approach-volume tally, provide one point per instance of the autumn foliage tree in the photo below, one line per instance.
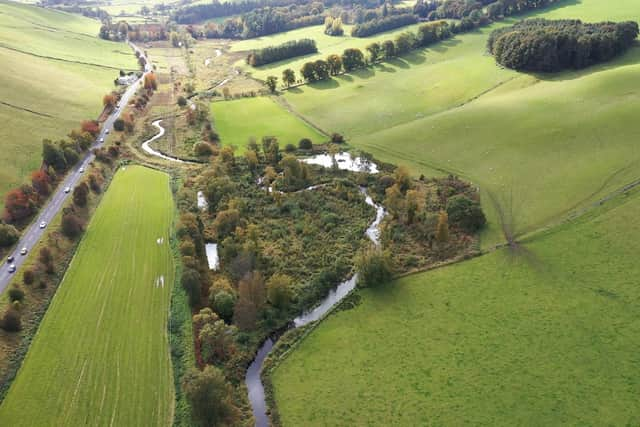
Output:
(91, 126)
(18, 205)
(41, 182)
(109, 100)
(251, 299)
(150, 81)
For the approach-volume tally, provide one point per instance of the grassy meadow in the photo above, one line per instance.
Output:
(58, 93)
(237, 121)
(106, 329)
(545, 337)
(540, 144)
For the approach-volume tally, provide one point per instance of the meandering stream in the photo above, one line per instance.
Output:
(148, 149)
(252, 377)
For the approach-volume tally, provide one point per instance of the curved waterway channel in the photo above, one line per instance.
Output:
(252, 378)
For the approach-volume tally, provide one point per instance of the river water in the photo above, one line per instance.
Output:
(253, 379)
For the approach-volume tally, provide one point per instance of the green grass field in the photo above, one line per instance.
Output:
(237, 121)
(541, 144)
(327, 45)
(101, 354)
(59, 93)
(546, 338)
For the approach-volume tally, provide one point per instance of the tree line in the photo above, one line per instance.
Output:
(353, 58)
(550, 46)
(380, 25)
(286, 50)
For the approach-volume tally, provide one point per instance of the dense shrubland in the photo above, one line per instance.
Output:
(542, 45)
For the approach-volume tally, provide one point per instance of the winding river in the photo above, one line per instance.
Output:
(149, 150)
(252, 378)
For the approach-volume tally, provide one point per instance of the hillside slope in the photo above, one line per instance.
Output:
(44, 90)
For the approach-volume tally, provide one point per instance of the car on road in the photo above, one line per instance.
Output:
(101, 140)
(82, 170)
(10, 259)
(23, 251)
(12, 268)
(106, 132)
(67, 189)
(43, 224)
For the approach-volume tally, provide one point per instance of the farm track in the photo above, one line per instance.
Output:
(283, 103)
(37, 113)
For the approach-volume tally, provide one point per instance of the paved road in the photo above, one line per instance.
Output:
(34, 233)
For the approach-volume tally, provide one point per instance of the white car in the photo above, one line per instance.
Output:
(67, 189)
(43, 224)
(23, 251)
(12, 268)
(81, 170)
(101, 140)
(107, 132)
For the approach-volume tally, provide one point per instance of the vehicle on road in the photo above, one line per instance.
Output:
(10, 259)
(67, 189)
(23, 251)
(43, 224)
(101, 140)
(107, 131)
(12, 268)
(81, 170)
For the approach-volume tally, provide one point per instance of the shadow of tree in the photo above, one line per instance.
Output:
(630, 57)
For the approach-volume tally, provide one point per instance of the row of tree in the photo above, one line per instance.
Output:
(353, 58)
(383, 24)
(286, 50)
(57, 157)
(549, 46)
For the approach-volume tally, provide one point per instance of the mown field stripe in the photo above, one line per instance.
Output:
(101, 354)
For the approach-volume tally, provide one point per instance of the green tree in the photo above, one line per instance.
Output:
(272, 83)
(375, 51)
(321, 69)
(8, 235)
(352, 59)
(279, 290)
(335, 64)
(374, 267)
(288, 77)
(52, 155)
(209, 396)
(308, 71)
(223, 303)
(466, 213)
(389, 49)
(191, 283)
